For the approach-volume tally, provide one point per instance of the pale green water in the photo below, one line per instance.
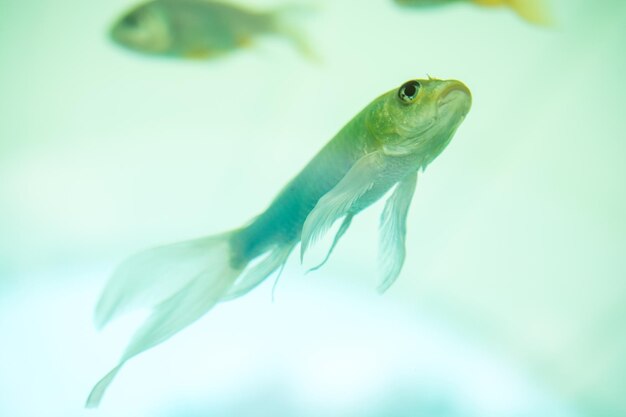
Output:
(511, 299)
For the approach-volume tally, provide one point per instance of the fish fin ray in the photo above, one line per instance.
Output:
(342, 230)
(278, 275)
(194, 296)
(151, 276)
(393, 231)
(255, 275)
(338, 201)
(96, 394)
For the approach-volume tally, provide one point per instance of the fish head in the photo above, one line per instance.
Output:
(420, 115)
(144, 28)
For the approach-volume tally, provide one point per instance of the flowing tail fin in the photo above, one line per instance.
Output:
(535, 11)
(181, 282)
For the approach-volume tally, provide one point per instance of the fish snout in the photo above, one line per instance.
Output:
(456, 93)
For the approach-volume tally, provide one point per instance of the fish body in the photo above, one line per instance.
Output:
(194, 28)
(380, 149)
(534, 11)
(285, 217)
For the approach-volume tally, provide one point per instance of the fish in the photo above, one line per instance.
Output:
(381, 149)
(534, 11)
(199, 29)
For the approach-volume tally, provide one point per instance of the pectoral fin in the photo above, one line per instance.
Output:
(393, 231)
(342, 230)
(338, 201)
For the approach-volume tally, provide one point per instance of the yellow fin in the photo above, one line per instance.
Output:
(198, 53)
(534, 11)
(244, 41)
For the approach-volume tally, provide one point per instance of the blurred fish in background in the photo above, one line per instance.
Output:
(200, 29)
(535, 11)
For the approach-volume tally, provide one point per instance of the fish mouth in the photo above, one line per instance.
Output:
(457, 93)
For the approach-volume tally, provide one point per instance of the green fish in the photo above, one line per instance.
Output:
(381, 148)
(197, 29)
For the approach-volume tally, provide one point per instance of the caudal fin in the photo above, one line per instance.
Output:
(284, 21)
(180, 282)
(535, 11)
(152, 276)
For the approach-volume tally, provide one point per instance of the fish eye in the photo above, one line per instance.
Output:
(409, 90)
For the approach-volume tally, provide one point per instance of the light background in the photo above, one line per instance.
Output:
(511, 302)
